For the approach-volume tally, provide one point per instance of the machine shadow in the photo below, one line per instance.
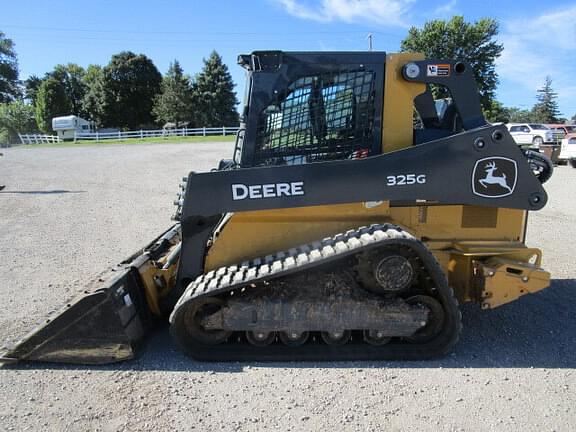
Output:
(37, 192)
(537, 331)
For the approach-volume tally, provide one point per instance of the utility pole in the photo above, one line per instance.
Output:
(370, 41)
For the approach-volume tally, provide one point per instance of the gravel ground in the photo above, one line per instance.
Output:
(67, 214)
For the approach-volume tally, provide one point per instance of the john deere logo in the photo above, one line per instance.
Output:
(494, 177)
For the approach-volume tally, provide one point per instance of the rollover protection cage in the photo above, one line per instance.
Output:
(312, 107)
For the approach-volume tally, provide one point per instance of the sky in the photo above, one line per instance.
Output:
(539, 37)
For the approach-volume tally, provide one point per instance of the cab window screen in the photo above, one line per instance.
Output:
(323, 117)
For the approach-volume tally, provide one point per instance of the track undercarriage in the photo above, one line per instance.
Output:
(371, 293)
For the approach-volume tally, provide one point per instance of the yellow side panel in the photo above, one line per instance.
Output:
(252, 234)
(399, 94)
(257, 233)
(445, 223)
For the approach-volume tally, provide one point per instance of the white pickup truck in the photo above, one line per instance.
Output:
(532, 135)
(568, 149)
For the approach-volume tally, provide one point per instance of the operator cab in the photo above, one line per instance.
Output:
(305, 107)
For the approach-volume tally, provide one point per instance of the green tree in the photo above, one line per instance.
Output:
(546, 109)
(31, 86)
(497, 113)
(15, 117)
(130, 83)
(573, 120)
(94, 103)
(459, 40)
(9, 89)
(71, 76)
(518, 115)
(174, 103)
(214, 96)
(51, 101)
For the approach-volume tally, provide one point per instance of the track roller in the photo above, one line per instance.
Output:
(338, 337)
(376, 337)
(293, 338)
(260, 338)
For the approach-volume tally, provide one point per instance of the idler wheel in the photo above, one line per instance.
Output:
(193, 322)
(433, 324)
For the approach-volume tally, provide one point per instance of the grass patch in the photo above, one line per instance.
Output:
(130, 141)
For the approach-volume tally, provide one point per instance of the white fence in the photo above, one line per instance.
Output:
(160, 133)
(38, 139)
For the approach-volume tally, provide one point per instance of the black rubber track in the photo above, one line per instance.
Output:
(339, 247)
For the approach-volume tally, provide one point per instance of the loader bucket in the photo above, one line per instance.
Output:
(108, 324)
(101, 327)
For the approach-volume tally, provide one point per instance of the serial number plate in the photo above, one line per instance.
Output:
(405, 179)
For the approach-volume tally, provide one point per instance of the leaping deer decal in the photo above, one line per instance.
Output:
(492, 179)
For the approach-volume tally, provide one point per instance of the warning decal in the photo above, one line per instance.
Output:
(440, 70)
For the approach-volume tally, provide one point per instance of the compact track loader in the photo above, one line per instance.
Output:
(356, 214)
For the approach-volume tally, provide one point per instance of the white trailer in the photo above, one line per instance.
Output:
(66, 126)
